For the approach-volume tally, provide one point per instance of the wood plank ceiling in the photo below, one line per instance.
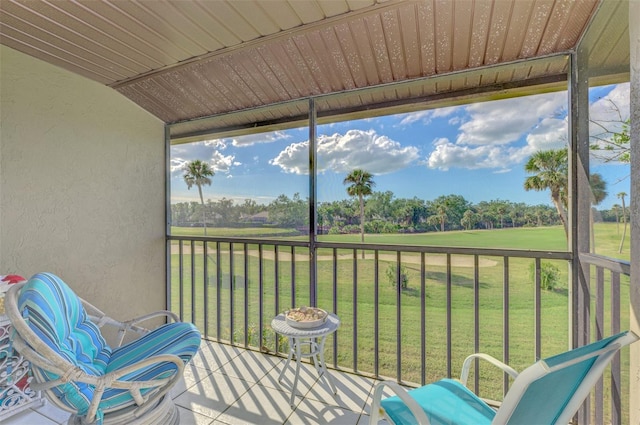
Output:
(187, 60)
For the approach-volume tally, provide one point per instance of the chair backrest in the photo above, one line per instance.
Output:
(56, 316)
(551, 390)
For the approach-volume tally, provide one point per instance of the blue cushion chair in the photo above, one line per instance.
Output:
(548, 392)
(128, 383)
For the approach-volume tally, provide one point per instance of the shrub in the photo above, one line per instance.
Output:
(391, 273)
(374, 226)
(549, 275)
(269, 339)
(334, 230)
(351, 229)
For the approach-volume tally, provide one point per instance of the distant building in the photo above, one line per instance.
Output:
(260, 218)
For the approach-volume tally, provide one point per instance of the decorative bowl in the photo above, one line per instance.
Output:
(305, 317)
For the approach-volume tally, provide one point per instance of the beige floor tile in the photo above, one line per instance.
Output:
(353, 391)
(212, 395)
(213, 356)
(28, 417)
(308, 377)
(364, 420)
(54, 413)
(312, 412)
(250, 366)
(188, 417)
(192, 375)
(260, 405)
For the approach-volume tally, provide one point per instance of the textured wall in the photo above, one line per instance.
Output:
(634, 283)
(81, 186)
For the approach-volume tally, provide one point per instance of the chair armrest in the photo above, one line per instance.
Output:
(132, 325)
(159, 387)
(110, 380)
(409, 401)
(113, 378)
(101, 319)
(466, 366)
(160, 313)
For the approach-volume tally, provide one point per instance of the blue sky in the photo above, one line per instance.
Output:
(477, 151)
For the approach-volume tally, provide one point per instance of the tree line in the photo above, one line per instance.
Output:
(384, 213)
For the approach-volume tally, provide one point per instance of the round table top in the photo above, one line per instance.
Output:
(280, 325)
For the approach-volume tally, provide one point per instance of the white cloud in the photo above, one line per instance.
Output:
(606, 117)
(425, 117)
(222, 163)
(177, 164)
(294, 158)
(220, 144)
(212, 149)
(447, 155)
(615, 106)
(455, 120)
(219, 164)
(342, 153)
(252, 139)
(445, 112)
(491, 134)
(550, 133)
(505, 121)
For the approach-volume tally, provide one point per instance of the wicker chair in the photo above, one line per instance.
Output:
(59, 333)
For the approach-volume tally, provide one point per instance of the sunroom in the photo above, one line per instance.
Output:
(97, 98)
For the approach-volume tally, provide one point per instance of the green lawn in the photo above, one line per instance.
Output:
(554, 312)
(545, 238)
(231, 231)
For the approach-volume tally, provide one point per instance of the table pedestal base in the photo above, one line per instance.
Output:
(316, 353)
(314, 339)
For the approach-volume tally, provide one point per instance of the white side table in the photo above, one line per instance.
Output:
(315, 339)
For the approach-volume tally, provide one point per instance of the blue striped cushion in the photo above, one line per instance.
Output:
(180, 339)
(56, 315)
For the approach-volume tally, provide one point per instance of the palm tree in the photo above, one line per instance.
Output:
(469, 219)
(598, 193)
(616, 210)
(621, 195)
(198, 173)
(501, 210)
(550, 168)
(360, 184)
(441, 206)
(441, 212)
(433, 220)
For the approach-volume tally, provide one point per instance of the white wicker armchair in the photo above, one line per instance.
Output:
(79, 372)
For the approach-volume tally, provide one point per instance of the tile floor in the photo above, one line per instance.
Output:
(227, 385)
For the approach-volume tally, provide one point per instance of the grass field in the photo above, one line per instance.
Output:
(356, 300)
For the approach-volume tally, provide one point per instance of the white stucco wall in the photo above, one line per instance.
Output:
(81, 186)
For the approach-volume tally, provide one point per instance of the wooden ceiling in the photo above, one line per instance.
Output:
(194, 63)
